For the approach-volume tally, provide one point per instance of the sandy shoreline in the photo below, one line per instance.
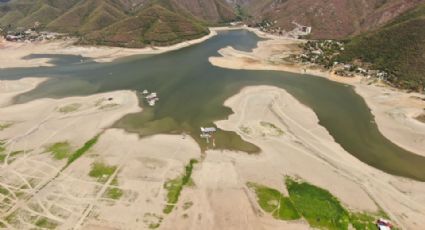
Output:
(13, 54)
(11, 88)
(394, 111)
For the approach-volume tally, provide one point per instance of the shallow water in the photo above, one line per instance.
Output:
(192, 92)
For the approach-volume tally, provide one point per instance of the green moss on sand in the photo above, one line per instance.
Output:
(318, 206)
(102, 171)
(60, 150)
(70, 108)
(45, 223)
(175, 186)
(4, 126)
(77, 154)
(114, 193)
(273, 202)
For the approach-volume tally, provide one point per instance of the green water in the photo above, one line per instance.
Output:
(192, 93)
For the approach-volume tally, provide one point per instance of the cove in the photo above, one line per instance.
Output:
(192, 93)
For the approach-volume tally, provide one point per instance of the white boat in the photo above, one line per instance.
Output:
(208, 129)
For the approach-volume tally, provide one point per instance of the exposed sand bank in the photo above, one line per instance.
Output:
(12, 88)
(306, 149)
(219, 196)
(75, 118)
(394, 111)
(395, 114)
(13, 54)
(35, 185)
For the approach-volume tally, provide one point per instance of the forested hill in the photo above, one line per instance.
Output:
(130, 23)
(398, 48)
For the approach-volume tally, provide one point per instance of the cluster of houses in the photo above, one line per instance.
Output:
(324, 53)
(29, 35)
(270, 27)
(320, 52)
(350, 70)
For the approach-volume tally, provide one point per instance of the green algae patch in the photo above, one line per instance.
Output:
(45, 223)
(77, 154)
(363, 221)
(4, 126)
(272, 128)
(70, 108)
(4, 153)
(102, 171)
(152, 220)
(175, 186)
(318, 206)
(114, 193)
(60, 150)
(274, 202)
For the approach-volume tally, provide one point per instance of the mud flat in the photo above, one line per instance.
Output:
(394, 110)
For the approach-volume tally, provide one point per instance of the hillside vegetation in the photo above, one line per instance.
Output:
(330, 19)
(397, 48)
(129, 23)
(155, 25)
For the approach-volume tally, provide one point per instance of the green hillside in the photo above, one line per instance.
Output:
(119, 22)
(88, 16)
(154, 25)
(398, 48)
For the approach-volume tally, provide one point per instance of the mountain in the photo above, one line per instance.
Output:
(130, 23)
(398, 48)
(154, 25)
(100, 19)
(329, 18)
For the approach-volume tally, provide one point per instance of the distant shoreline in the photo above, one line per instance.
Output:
(12, 54)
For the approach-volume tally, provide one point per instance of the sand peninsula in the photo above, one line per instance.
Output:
(394, 110)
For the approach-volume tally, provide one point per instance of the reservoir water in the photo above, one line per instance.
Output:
(192, 93)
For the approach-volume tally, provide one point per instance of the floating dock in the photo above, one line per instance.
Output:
(207, 133)
(151, 98)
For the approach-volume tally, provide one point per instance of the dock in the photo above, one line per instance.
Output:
(207, 133)
(151, 98)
